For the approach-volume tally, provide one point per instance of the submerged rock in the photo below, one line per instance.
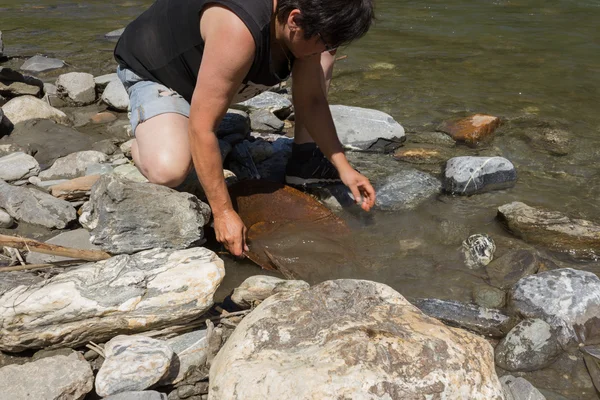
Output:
(471, 175)
(552, 229)
(488, 322)
(473, 130)
(519, 389)
(567, 299)
(35, 207)
(17, 166)
(363, 128)
(350, 339)
(24, 108)
(132, 363)
(488, 296)
(507, 270)
(406, 190)
(96, 301)
(260, 287)
(40, 63)
(78, 88)
(591, 355)
(126, 216)
(478, 250)
(529, 346)
(51, 378)
(72, 166)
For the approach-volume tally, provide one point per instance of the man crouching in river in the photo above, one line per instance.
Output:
(185, 62)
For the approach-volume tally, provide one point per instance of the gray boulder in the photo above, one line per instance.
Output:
(51, 378)
(73, 166)
(115, 96)
(41, 63)
(529, 346)
(265, 121)
(470, 175)
(276, 103)
(350, 339)
(114, 34)
(132, 363)
(519, 389)
(78, 239)
(488, 322)
(24, 108)
(366, 129)
(122, 295)
(406, 190)
(567, 299)
(126, 216)
(35, 207)
(507, 270)
(6, 221)
(78, 88)
(260, 287)
(18, 166)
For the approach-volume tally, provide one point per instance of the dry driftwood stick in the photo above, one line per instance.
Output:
(55, 250)
(32, 267)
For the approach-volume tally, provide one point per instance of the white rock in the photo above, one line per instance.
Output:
(73, 166)
(103, 80)
(77, 87)
(18, 166)
(126, 147)
(116, 96)
(130, 172)
(191, 350)
(40, 63)
(132, 363)
(260, 287)
(51, 378)
(350, 339)
(24, 108)
(6, 220)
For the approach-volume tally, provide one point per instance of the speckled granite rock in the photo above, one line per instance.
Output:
(124, 294)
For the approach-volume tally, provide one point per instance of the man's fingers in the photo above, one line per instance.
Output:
(356, 194)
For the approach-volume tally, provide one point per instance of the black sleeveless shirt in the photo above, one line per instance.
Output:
(164, 45)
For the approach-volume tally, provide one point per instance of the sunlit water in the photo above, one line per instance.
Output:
(423, 62)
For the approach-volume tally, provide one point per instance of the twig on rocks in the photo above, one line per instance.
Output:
(94, 347)
(15, 253)
(31, 267)
(45, 248)
(192, 325)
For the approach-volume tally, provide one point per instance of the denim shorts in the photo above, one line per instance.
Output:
(148, 99)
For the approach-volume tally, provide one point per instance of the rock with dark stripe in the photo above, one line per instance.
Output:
(470, 175)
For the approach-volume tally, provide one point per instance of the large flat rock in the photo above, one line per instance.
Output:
(24, 108)
(97, 301)
(126, 216)
(350, 339)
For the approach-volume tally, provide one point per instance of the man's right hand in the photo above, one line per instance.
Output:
(231, 232)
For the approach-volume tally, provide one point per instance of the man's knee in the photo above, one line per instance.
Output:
(166, 172)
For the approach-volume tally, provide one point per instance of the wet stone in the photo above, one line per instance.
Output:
(405, 190)
(40, 63)
(260, 287)
(519, 389)
(115, 96)
(486, 321)
(471, 175)
(473, 130)
(507, 270)
(114, 34)
(478, 250)
(25, 108)
(366, 129)
(58, 377)
(529, 346)
(132, 363)
(73, 166)
(489, 297)
(78, 88)
(18, 166)
(265, 121)
(567, 299)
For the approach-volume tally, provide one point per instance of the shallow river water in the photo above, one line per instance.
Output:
(423, 62)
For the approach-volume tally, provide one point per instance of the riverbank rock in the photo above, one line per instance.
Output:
(17, 166)
(78, 239)
(260, 287)
(191, 351)
(51, 378)
(406, 190)
(35, 207)
(473, 130)
(103, 80)
(115, 96)
(6, 126)
(126, 216)
(96, 301)
(276, 103)
(129, 172)
(140, 395)
(471, 175)
(529, 346)
(77, 88)
(552, 229)
(72, 166)
(519, 389)
(507, 270)
(591, 356)
(24, 108)
(14, 89)
(114, 34)
(265, 121)
(366, 129)
(567, 299)
(39, 63)
(485, 321)
(350, 339)
(132, 363)
(6, 220)
(74, 190)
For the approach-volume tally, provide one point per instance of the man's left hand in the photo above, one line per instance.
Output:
(361, 188)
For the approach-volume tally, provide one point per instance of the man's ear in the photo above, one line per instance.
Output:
(293, 19)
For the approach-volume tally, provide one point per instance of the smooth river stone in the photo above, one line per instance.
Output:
(73, 166)
(40, 63)
(406, 190)
(6, 221)
(472, 130)
(124, 294)
(116, 96)
(470, 175)
(567, 299)
(17, 166)
(35, 207)
(24, 108)
(191, 351)
(552, 229)
(132, 363)
(52, 378)
(350, 339)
